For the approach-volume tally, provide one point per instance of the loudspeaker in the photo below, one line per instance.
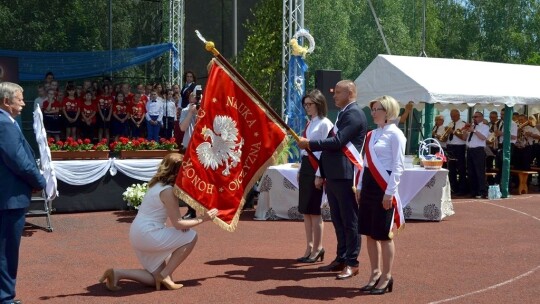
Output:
(325, 81)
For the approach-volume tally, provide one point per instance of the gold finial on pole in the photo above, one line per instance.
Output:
(208, 45)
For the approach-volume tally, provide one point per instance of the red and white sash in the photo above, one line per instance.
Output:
(313, 159)
(354, 156)
(381, 177)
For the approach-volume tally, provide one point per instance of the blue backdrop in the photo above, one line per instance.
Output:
(74, 65)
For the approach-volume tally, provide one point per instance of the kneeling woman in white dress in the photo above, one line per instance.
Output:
(159, 248)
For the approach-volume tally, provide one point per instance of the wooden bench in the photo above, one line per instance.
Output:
(523, 176)
(490, 174)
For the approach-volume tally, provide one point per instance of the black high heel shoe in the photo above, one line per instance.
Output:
(303, 259)
(389, 287)
(315, 258)
(368, 288)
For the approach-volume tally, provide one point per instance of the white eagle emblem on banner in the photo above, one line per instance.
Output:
(222, 148)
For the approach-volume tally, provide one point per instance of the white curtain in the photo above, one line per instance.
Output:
(140, 169)
(82, 172)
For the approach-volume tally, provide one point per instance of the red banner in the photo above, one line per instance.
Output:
(233, 142)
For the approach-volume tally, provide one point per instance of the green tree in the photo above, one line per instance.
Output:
(260, 60)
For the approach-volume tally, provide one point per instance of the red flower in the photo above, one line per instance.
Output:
(60, 143)
(50, 140)
(87, 141)
(440, 156)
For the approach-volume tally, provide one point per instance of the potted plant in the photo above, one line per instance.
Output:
(142, 148)
(78, 149)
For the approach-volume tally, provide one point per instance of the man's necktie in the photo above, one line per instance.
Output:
(452, 134)
(470, 135)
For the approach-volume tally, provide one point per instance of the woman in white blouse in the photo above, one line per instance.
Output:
(310, 182)
(377, 196)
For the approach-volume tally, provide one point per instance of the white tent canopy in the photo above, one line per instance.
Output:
(448, 81)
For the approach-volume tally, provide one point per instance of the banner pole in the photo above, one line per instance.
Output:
(210, 47)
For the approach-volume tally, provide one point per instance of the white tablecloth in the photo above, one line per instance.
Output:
(82, 172)
(424, 193)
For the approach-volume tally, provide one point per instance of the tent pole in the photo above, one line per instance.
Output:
(408, 130)
(506, 153)
(428, 122)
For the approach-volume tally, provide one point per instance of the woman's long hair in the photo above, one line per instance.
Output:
(168, 170)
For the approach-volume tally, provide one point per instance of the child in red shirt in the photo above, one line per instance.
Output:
(104, 105)
(52, 117)
(120, 117)
(71, 111)
(137, 110)
(88, 116)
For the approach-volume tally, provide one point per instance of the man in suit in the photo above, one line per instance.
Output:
(20, 175)
(338, 170)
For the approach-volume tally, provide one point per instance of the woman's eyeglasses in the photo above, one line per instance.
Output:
(376, 109)
(308, 104)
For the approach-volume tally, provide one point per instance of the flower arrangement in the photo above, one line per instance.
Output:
(71, 144)
(134, 194)
(135, 144)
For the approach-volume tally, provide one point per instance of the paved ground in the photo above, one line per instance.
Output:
(488, 252)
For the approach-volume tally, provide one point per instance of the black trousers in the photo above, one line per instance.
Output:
(457, 168)
(344, 213)
(476, 168)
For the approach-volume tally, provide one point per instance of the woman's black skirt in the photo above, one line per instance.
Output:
(101, 123)
(373, 219)
(53, 123)
(309, 198)
(71, 115)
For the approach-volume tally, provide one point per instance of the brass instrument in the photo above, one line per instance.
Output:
(492, 141)
(447, 132)
(523, 125)
(521, 138)
(459, 132)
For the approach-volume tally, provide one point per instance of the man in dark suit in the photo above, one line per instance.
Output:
(20, 175)
(338, 170)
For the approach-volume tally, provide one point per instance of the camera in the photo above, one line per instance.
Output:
(198, 95)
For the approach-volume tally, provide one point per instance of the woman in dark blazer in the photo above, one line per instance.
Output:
(190, 81)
